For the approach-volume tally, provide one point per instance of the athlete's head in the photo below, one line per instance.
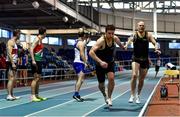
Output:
(141, 26)
(42, 32)
(110, 31)
(16, 33)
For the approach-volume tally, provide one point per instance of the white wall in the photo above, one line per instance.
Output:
(123, 20)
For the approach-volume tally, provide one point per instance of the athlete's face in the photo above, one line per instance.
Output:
(44, 35)
(18, 36)
(141, 27)
(109, 34)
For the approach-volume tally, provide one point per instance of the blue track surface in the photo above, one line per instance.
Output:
(61, 103)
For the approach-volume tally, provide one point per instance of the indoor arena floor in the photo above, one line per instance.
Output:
(61, 103)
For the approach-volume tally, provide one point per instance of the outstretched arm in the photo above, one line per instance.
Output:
(118, 42)
(130, 40)
(153, 41)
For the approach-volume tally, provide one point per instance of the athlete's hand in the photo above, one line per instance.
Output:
(104, 64)
(158, 52)
(13, 66)
(125, 47)
(34, 64)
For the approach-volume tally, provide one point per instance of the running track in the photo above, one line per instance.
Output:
(61, 103)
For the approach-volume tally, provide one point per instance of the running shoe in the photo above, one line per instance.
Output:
(36, 100)
(109, 102)
(105, 99)
(10, 98)
(131, 99)
(138, 99)
(41, 98)
(78, 98)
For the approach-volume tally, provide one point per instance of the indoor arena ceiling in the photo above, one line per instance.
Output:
(23, 14)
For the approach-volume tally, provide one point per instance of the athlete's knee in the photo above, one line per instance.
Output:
(141, 80)
(37, 77)
(101, 85)
(134, 76)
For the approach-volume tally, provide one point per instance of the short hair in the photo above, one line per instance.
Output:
(42, 30)
(110, 27)
(81, 32)
(16, 32)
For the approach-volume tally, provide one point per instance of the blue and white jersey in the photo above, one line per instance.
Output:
(77, 57)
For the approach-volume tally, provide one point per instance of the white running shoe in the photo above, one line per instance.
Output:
(138, 99)
(105, 99)
(131, 99)
(10, 98)
(109, 102)
(16, 97)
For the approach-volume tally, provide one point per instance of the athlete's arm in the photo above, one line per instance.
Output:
(153, 41)
(34, 44)
(130, 40)
(98, 45)
(81, 46)
(118, 41)
(10, 45)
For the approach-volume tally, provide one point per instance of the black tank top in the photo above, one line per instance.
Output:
(107, 54)
(141, 46)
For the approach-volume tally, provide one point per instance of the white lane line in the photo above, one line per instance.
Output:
(148, 100)
(54, 90)
(43, 86)
(57, 105)
(104, 104)
(72, 101)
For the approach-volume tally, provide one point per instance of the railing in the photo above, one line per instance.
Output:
(68, 73)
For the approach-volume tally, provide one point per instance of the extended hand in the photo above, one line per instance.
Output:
(104, 64)
(158, 52)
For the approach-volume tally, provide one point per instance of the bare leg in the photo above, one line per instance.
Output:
(79, 81)
(34, 85)
(143, 73)
(110, 83)
(135, 68)
(102, 88)
(11, 81)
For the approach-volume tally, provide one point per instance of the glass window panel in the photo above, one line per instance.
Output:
(60, 41)
(54, 40)
(174, 45)
(22, 37)
(70, 41)
(45, 40)
(91, 43)
(118, 5)
(0, 33)
(5, 33)
(32, 37)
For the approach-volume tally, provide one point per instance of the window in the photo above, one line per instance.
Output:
(5, 33)
(0, 32)
(32, 37)
(152, 46)
(22, 37)
(45, 40)
(121, 43)
(130, 45)
(70, 41)
(174, 45)
(54, 40)
(91, 43)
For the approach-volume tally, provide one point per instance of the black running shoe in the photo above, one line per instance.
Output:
(78, 98)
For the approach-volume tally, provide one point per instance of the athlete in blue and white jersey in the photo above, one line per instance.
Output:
(80, 61)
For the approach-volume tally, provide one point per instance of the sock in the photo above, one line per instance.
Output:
(76, 93)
